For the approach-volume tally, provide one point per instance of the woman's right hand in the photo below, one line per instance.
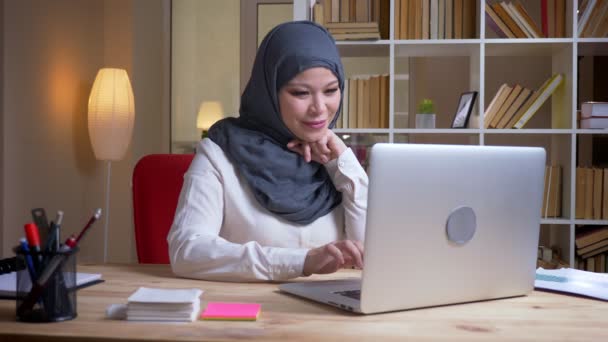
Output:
(333, 256)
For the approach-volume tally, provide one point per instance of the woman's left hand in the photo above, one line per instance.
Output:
(328, 147)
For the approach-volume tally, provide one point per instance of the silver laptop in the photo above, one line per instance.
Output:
(445, 224)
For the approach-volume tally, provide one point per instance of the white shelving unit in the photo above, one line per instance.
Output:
(555, 128)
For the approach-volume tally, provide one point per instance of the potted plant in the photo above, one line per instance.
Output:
(425, 116)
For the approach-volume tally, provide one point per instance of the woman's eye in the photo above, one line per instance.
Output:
(331, 91)
(299, 93)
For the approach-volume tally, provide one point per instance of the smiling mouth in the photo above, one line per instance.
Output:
(315, 124)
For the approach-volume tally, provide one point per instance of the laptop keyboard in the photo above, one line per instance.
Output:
(354, 294)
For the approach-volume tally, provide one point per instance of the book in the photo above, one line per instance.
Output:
(497, 101)
(573, 281)
(156, 304)
(469, 18)
(544, 93)
(560, 18)
(553, 190)
(581, 179)
(517, 103)
(590, 236)
(605, 196)
(588, 194)
(522, 11)
(585, 17)
(592, 247)
(517, 31)
(357, 36)
(231, 311)
(510, 9)
(8, 283)
(594, 109)
(598, 179)
(496, 24)
(522, 109)
(506, 105)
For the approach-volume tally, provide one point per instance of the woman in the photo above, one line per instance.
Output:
(274, 194)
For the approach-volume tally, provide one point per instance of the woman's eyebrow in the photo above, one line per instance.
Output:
(304, 84)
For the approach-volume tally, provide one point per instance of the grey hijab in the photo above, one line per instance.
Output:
(255, 142)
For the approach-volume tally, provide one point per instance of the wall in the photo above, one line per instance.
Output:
(52, 51)
(205, 61)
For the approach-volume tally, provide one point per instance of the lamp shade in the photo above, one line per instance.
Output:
(111, 114)
(208, 113)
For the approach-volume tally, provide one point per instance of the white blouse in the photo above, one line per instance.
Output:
(220, 231)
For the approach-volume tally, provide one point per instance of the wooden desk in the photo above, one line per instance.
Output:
(539, 316)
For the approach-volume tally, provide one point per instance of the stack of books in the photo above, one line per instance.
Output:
(591, 248)
(593, 18)
(435, 19)
(365, 103)
(591, 193)
(594, 114)
(353, 19)
(151, 304)
(510, 20)
(513, 106)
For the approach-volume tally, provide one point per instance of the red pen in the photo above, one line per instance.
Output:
(33, 239)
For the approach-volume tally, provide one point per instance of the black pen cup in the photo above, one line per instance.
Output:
(55, 272)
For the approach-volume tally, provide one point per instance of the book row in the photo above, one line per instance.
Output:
(591, 193)
(592, 248)
(514, 106)
(511, 20)
(435, 19)
(592, 18)
(365, 102)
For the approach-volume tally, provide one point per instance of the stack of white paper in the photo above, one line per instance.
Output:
(573, 281)
(149, 304)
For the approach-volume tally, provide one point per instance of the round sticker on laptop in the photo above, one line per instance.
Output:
(461, 225)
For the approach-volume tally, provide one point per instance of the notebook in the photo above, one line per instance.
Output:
(155, 304)
(231, 311)
(8, 283)
(445, 224)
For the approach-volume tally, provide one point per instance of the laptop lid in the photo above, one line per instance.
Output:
(450, 224)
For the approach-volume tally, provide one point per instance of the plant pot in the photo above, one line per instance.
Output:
(425, 120)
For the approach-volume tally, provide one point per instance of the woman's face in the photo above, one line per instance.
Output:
(308, 103)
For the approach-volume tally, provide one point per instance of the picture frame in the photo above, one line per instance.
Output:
(463, 111)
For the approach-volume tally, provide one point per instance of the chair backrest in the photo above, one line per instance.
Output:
(157, 182)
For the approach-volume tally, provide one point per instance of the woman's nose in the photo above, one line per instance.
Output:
(318, 105)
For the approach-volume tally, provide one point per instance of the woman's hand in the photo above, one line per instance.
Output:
(334, 256)
(329, 147)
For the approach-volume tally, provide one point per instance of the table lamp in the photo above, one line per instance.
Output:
(110, 122)
(208, 113)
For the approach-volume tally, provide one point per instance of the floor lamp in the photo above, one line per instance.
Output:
(110, 121)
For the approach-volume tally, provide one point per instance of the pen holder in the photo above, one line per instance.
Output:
(57, 300)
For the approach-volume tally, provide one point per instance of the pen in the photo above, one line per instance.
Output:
(39, 217)
(28, 259)
(58, 223)
(33, 239)
(52, 242)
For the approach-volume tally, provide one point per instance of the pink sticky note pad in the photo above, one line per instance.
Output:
(231, 311)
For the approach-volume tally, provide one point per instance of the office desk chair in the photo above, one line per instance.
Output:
(157, 182)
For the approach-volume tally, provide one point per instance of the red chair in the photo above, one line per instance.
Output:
(157, 182)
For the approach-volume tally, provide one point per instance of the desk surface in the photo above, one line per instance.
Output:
(538, 316)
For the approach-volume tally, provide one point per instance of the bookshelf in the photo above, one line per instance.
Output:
(482, 64)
